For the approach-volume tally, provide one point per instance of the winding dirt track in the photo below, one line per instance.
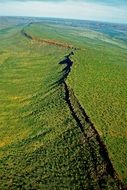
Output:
(99, 170)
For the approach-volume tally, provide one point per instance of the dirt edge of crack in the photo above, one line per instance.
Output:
(47, 41)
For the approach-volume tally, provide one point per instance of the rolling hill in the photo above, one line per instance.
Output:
(63, 104)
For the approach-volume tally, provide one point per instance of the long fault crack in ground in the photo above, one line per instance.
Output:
(98, 166)
(99, 171)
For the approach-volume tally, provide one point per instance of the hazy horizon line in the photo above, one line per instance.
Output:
(91, 20)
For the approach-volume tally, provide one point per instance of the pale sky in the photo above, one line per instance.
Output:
(102, 10)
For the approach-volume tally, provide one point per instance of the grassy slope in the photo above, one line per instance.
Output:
(99, 80)
(36, 126)
(78, 36)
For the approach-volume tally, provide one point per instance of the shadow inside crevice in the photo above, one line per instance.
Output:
(66, 70)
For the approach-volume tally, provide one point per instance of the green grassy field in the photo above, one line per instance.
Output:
(41, 144)
(99, 81)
